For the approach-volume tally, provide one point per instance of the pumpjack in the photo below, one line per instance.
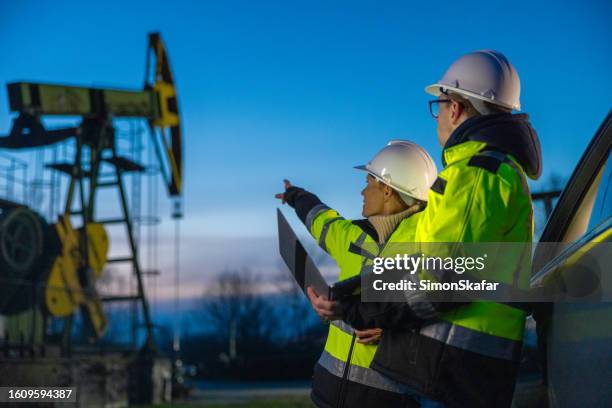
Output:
(63, 260)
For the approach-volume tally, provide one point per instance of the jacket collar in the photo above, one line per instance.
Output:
(461, 151)
(503, 132)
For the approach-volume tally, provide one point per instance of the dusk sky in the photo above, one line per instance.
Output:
(307, 90)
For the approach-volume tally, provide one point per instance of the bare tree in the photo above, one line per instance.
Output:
(298, 310)
(238, 315)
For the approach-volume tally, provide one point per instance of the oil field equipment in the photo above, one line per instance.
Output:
(61, 260)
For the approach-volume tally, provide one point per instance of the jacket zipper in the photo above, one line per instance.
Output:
(342, 392)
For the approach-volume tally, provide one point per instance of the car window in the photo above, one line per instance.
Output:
(587, 215)
(584, 197)
(602, 210)
(584, 202)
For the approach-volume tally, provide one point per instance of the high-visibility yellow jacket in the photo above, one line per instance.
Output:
(355, 384)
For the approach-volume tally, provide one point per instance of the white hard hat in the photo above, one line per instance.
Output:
(404, 166)
(484, 75)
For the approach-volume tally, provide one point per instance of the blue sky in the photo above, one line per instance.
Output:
(306, 90)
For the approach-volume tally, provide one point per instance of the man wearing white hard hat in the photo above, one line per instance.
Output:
(466, 355)
(480, 196)
(398, 181)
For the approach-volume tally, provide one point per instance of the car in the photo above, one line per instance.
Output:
(572, 266)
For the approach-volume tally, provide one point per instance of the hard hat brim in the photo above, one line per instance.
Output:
(363, 167)
(434, 90)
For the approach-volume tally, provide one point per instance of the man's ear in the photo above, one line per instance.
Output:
(456, 111)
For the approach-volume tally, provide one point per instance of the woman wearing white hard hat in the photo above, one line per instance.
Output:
(398, 179)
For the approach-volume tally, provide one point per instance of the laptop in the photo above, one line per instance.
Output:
(303, 268)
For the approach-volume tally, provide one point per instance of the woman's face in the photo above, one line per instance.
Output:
(373, 197)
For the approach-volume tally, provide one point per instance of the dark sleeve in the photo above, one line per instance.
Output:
(391, 315)
(370, 315)
(301, 200)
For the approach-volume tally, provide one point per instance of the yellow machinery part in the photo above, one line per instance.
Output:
(97, 239)
(165, 92)
(97, 316)
(64, 293)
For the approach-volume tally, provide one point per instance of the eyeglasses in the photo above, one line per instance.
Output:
(434, 106)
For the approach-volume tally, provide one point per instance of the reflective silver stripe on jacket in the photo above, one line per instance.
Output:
(312, 214)
(420, 305)
(357, 249)
(361, 239)
(345, 327)
(324, 232)
(361, 375)
(471, 340)
(365, 268)
(418, 302)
